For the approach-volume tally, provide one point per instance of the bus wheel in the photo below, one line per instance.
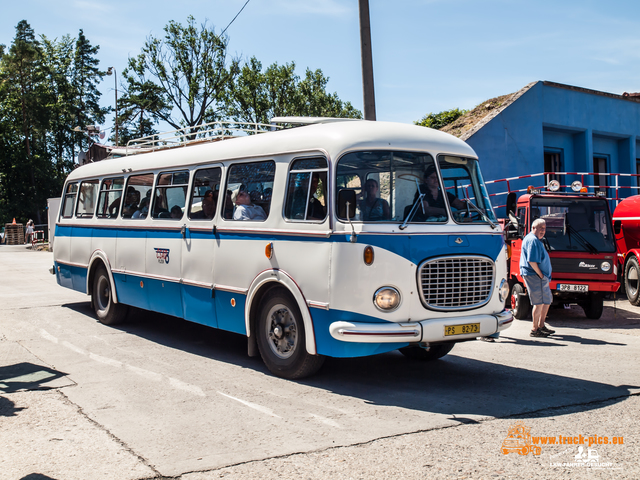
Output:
(433, 352)
(593, 306)
(107, 311)
(519, 303)
(281, 337)
(631, 276)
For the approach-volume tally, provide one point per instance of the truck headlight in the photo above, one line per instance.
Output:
(503, 291)
(386, 299)
(605, 266)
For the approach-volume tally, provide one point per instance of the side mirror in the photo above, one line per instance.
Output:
(346, 196)
(511, 203)
(513, 219)
(617, 226)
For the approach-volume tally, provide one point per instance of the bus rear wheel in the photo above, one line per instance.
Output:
(433, 352)
(281, 337)
(107, 311)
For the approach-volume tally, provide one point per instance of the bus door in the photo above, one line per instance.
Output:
(199, 247)
(164, 243)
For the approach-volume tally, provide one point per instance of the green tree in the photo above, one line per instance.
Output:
(442, 119)
(258, 96)
(189, 65)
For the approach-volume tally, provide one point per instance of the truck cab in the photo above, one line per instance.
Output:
(580, 243)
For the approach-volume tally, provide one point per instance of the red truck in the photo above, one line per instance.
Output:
(580, 243)
(626, 226)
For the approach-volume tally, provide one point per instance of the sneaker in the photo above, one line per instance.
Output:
(488, 339)
(537, 333)
(546, 330)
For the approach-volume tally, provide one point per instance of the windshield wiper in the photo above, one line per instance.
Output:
(413, 209)
(583, 240)
(470, 204)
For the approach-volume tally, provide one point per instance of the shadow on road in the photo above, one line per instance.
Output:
(453, 385)
(26, 376)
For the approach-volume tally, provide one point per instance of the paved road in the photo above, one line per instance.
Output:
(159, 397)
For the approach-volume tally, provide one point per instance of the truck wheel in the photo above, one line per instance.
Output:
(107, 311)
(433, 352)
(631, 276)
(593, 306)
(519, 303)
(281, 337)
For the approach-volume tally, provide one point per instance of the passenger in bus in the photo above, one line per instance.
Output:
(433, 204)
(374, 208)
(131, 201)
(176, 212)
(143, 209)
(209, 202)
(316, 210)
(245, 209)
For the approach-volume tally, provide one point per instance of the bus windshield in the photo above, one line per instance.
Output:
(392, 186)
(575, 225)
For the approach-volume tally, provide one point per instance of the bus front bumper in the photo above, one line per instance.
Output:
(429, 331)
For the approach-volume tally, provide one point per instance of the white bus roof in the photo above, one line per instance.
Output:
(333, 137)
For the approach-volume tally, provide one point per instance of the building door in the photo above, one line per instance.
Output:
(553, 163)
(600, 166)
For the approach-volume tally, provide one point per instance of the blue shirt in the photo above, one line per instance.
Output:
(533, 251)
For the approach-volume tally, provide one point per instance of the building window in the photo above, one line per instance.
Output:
(638, 172)
(552, 164)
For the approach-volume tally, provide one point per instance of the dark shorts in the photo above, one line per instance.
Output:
(538, 290)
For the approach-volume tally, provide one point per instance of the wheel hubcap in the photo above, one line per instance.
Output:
(282, 332)
(632, 281)
(104, 294)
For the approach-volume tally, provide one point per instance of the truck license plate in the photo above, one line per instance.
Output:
(462, 329)
(566, 287)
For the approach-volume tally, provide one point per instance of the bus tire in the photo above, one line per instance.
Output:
(107, 311)
(433, 352)
(519, 303)
(632, 281)
(281, 337)
(593, 306)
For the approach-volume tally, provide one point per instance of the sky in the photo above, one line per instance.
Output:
(428, 55)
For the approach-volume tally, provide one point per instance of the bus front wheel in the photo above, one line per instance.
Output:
(107, 311)
(281, 337)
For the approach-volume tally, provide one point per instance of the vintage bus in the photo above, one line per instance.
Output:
(329, 237)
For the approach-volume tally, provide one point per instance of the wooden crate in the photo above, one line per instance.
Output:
(14, 234)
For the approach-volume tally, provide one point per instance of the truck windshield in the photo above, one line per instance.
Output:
(396, 186)
(581, 225)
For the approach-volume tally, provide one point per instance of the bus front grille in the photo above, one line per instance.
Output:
(456, 283)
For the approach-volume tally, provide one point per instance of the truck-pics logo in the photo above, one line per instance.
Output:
(519, 440)
(162, 254)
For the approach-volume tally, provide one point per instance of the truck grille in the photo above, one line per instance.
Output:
(456, 283)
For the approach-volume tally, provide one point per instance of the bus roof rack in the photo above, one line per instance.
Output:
(206, 132)
(309, 120)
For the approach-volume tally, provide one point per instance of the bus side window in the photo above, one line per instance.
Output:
(87, 198)
(251, 186)
(69, 200)
(137, 196)
(205, 194)
(306, 190)
(110, 197)
(171, 195)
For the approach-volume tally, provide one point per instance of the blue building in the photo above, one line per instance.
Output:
(550, 127)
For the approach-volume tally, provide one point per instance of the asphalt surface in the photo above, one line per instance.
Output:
(161, 398)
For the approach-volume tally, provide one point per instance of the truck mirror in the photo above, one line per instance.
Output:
(511, 203)
(617, 227)
(513, 219)
(346, 198)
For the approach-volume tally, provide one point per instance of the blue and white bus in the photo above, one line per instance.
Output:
(338, 238)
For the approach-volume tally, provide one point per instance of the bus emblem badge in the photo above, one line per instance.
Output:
(162, 254)
(458, 240)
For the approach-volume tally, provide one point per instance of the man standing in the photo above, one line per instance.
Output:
(535, 268)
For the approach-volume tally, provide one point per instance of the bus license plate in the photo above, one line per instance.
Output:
(566, 287)
(461, 329)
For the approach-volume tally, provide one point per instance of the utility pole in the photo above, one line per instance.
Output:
(367, 62)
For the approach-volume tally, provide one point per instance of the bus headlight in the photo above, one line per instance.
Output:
(605, 266)
(503, 291)
(386, 299)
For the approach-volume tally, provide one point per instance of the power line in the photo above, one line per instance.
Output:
(234, 18)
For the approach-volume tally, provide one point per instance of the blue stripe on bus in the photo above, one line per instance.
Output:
(414, 247)
(71, 276)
